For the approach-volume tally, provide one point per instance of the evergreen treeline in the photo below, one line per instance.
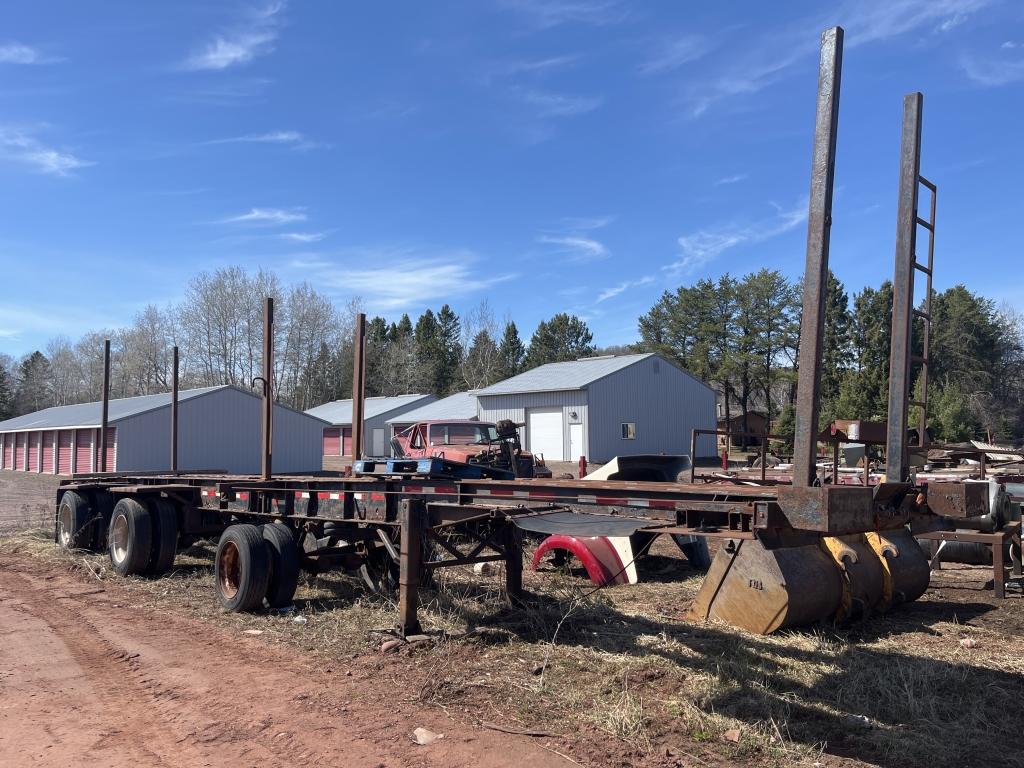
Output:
(741, 335)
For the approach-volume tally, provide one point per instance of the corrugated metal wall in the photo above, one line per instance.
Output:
(83, 450)
(220, 430)
(664, 403)
(48, 438)
(514, 407)
(64, 442)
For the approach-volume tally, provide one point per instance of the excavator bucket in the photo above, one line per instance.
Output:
(764, 588)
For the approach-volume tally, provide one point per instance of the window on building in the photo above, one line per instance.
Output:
(629, 430)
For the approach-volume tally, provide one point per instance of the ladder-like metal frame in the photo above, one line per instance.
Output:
(901, 355)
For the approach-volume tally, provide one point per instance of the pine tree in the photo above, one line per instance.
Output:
(511, 352)
(563, 337)
(7, 394)
(450, 352)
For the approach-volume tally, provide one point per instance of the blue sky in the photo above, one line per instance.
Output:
(559, 155)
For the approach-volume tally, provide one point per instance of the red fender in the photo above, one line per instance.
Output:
(582, 548)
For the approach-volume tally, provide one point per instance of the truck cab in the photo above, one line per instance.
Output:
(469, 442)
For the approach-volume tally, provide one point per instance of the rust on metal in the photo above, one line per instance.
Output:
(958, 500)
(896, 459)
(174, 409)
(819, 224)
(104, 408)
(268, 391)
(358, 386)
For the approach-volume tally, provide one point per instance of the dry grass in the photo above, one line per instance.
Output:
(901, 690)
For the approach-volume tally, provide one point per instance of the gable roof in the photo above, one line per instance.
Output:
(574, 374)
(340, 411)
(461, 405)
(91, 414)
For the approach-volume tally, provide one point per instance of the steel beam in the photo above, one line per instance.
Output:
(896, 464)
(358, 387)
(174, 410)
(268, 392)
(819, 224)
(105, 408)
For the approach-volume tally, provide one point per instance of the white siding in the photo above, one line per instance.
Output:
(665, 403)
(219, 430)
(497, 407)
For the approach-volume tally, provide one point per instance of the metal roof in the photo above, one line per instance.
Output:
(574, 374)
(461, 405)
(340, 411)
(90, 414)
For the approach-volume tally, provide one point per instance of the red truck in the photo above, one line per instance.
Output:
(470, 442)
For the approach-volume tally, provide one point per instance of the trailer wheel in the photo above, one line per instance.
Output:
(380, 572)
(73, 522)
(284, 564)
(130, 537)
(242, 568)
(165, 536)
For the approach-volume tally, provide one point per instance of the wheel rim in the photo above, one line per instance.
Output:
(119, 539)
(64, 526)
(228, 570)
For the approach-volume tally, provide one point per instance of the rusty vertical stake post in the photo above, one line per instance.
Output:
(513, 546)
(819, 224)
(411, 518)
(835, 462)
(105, 408)
(174, 409)
(266, 467)
(764, 453)
(896, 469)
(358, 386)
(693, 456)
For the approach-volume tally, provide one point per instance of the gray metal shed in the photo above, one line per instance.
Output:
(218, 428)
(602, 407)
(337, 439)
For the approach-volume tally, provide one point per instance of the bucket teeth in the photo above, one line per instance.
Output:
(762, 588)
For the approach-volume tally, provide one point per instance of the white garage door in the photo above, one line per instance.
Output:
(544, 431)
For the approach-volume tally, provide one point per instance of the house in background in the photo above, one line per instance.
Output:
(602, 407)
(218, 428)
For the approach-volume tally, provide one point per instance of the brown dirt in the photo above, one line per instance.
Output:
(90, 679)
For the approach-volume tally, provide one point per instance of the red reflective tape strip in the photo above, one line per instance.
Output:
(243, 496)
(301, 495)
(375, 496)
(445, 489)
(661, 504)
(412, 488)
(209, 492)
(500, 492)
(609, 501)
(323, 495)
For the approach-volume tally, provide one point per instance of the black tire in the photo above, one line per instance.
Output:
(165, 536)
(241, 568)
(696, 551)
(284, 564)
(130, 537)
(381, 573)
(73, 527)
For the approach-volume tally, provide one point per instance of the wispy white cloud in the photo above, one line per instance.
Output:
(293, 139)
(610, 293)
(21, 146)
(766, 60)
(19, 53)
(253, 35)
(673, 54)
(267, 216)
(731, 179)
(407, 278)
(700, 247)
(579, 247)
(534, 66)
(549, 105)
(303, 237)
(1010, 45)
(552, 13)
(993, 71)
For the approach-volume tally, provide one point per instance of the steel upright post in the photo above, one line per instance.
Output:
(896, 459)
(819, 223)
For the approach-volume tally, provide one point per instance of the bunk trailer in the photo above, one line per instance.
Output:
(772, 570)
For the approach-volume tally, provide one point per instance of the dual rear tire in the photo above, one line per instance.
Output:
(142, 538)
(254, 563)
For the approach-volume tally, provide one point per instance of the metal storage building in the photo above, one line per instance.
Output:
(461, 405)
(337, 438)
(602, 407)
(218, 428)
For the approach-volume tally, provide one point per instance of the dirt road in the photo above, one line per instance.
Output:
(88, 679)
